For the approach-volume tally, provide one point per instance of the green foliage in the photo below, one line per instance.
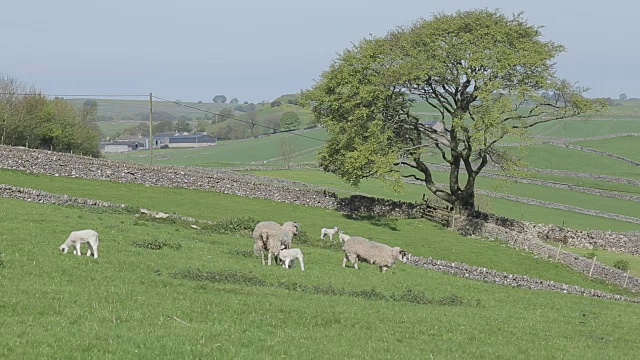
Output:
(219, 99)
(591, 255)
(242, 226)
(289, 120)
(621, 264)
(183, 126)
(481, 71)
(157, 244)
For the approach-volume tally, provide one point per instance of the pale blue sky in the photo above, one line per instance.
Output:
(257, 50)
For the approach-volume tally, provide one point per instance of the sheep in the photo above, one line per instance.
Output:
(356, 248)
(270, 236)
(329, 232)
(78, 237)
(289, 255)
(343, 237)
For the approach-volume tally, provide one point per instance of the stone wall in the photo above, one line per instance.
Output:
(502, 278)
(529, 236)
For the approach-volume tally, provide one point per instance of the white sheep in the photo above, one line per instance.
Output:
(78, 237)
(270, 236)
(329, 232)
(356, 248)
(289, 255)
(343, 237)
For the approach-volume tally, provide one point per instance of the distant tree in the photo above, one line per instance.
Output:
(89, 111)
(276, 103)
(234, 101)
(287, 149)
(623, 97)
(245, 102)
(252, 118)
(183, 126)
(178, 101)
(163, 126)
(219, 99)
(273, 123)
(289, 120)
(200, 102)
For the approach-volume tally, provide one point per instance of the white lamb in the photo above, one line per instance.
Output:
(290, 255)
(357, 248)
(329, 232)
(78, 237)
(343, 237)
(272, 237)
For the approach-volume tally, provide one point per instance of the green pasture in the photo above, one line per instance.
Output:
(128, 305)
(511, 209)
(625, 146)
(560, 158)
(255, 151)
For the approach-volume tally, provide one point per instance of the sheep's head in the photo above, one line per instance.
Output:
(399, 254)
(292, 227)
(64, 248)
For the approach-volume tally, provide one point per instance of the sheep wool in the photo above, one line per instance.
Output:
(357, 248)
(78, 237)
(271, 237)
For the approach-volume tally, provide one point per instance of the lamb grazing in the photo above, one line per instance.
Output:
(270, 236)
(357, 248)
(78, 237)
(289, 255)
(329, 232)
(343, 237)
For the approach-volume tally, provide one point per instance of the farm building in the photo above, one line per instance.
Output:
(120, 146)
(182, 140)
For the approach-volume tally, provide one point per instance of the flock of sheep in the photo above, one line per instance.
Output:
(270, 237)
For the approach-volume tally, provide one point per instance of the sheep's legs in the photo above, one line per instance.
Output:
(95, 251)
(301, 264)
(262, 254)
(77, 251)
(269, 259)
(344, 262)
(384, 269)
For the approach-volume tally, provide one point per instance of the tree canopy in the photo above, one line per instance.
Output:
(481, 71)
(219, 99)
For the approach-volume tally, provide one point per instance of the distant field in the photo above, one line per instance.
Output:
(627, 146)
(519, 211)
(255, 151)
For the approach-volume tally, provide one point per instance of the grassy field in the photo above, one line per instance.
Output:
(626, 146)
(233, 153)
(134, 302)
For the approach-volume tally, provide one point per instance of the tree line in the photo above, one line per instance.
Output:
(30, 118)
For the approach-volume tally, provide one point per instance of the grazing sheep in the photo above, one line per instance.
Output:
(357, 248)
(270, 236)
(78, 237)
(343, 237)
(329, 232)
(289, 255)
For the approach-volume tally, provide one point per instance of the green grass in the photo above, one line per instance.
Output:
(626, 146)
(232, 153)
(126, 304)
(608, 257)
(560, 158)
(519, 211)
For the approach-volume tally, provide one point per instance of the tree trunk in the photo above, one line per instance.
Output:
(464, 203)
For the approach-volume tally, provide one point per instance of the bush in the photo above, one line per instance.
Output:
(242, 226)
(591, 255)
(156, 245)
(621, 264)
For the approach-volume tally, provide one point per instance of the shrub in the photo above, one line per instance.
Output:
(621, 264)
(591, 255)
(156, 245)
(242, 226)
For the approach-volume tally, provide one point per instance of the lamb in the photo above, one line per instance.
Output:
(356, 248)
(343, 237)
(270, 236)
(78, 237)
(289, 255)
(329, 232)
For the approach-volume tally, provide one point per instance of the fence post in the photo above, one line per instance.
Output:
(592, 265)
(626, 277)
(558, 253)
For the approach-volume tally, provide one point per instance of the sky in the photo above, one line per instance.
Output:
(256, 50)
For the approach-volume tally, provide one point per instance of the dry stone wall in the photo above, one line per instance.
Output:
(502, 278)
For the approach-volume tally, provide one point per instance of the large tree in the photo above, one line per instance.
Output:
(482, 71)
